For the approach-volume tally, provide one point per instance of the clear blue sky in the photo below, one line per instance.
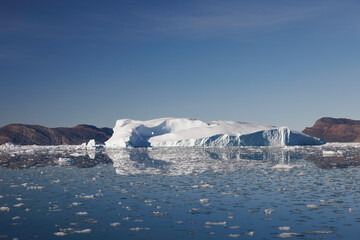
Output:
(278, 62)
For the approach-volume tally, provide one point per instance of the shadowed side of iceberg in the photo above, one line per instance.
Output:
(279, 137)
(275, 137)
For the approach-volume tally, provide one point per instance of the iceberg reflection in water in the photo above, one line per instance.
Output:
(167, 161)
(182, 161)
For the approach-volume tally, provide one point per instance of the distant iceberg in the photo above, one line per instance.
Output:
(184, 132)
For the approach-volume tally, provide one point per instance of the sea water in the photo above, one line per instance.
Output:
(66, 192)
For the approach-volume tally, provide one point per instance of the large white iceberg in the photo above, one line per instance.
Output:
(168, 132)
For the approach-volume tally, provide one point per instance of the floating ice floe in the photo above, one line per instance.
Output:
(285, 167)
(19, 205)
(284, 228)
(139, 229)
(88, 230)
(60, 234)
(62, 161)
(288, 235)
(75, 204)
(34, 188)
(9, 145)
(233, 235)
(319, 232)
(216, 223)
(250, 233)
(170, 132)
(81, 213)
(234, 227)
(269, 211)
(86, 196)
(4, 209)
(114, 224)
(312, 206)
(332, 153)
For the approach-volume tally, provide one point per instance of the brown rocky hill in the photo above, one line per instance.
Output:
(24, 134)
(335, 130)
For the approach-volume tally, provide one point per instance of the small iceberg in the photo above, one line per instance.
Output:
(91, 144)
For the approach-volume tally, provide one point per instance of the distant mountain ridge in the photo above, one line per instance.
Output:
(24, 134)
(335, 130)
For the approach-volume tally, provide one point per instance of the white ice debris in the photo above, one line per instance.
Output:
(332, 153)
(251, 233)
(312, 206)
(4, 209)
(34, 188)
(319, 232)
(284, 228)
(167, 132)
(81, 213)
(63, 161)
(216, 223)
(284, 167)
(114, 224)
(269, 211)
(287, 235)
(138, 229)
(9, 145)
(233, 235)
(60, 234)
(19, 205)
(75, 204)
(86, 196)
(234, 227)
(83, 231)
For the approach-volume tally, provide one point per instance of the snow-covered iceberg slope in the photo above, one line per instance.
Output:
(166, 132)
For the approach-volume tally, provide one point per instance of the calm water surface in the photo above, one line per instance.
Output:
(180, 193)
